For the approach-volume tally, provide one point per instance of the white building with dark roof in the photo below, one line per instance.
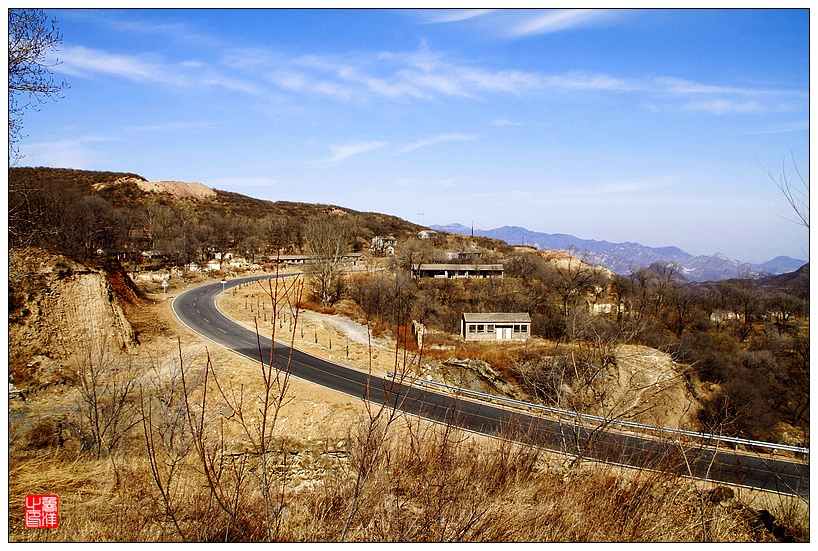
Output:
(458, 270)
(501, 326)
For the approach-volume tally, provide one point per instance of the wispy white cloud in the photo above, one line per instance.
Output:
(342, 152)
(426, 74)
(435, 140)
(669, 93)
(583, 80)
(128, 22)
(725, 100)
(299, 81)
(170, 126)
(432, 74)
(520, 23)
(453, 16)
(725, 106)
(416, 74)
(686, 87)
(505, 122)
(86, 62)
(395, 87)
(81, 61)
(76, 152)
(420, 74)
(558, 20)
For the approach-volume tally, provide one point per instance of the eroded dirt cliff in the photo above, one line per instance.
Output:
(60, 310)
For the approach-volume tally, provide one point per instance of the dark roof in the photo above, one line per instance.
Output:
(460, 267)
(497, 317)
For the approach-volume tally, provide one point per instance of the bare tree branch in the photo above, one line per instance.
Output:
(31, 83)
(796, 191)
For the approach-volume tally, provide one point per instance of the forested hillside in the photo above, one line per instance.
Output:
(81, 212)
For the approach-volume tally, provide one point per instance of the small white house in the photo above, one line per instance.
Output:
(383, 245)
(495, 326)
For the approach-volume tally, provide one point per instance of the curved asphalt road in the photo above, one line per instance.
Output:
(196, 308)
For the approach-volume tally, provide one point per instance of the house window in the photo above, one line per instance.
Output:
(481, 328)
(472, 328)
(489, 329)
(524, 329)
(516, 328)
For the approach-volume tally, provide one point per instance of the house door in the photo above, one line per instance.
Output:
(503, 333)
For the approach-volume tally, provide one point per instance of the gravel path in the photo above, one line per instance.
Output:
(355, 331)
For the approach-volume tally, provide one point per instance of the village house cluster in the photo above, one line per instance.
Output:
(448, 264)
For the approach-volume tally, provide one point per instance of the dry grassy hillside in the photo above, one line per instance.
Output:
(321, 467)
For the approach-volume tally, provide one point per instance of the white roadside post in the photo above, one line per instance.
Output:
(164, 289)
(224, 281)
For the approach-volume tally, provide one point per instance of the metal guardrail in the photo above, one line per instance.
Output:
(604, 420)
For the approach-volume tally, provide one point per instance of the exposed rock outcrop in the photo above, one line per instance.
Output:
(59, 309)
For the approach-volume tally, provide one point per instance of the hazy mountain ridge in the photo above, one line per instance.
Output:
(622, 258)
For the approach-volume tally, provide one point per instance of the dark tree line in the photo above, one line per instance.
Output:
(84, 226)
(44, 201)
(57, 209)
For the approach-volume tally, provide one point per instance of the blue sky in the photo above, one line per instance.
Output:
(650, 126)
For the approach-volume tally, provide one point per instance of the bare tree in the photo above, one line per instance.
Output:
(796, 191)
(327, 240)
(281, 232)
(228, 477)
(374, 435)
(574, 282)
(182, 242)
(107, 385)
(164, 412)
(31, 83)
(743, 301)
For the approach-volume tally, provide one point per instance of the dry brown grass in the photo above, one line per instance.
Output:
(428, 483)
(501, 355)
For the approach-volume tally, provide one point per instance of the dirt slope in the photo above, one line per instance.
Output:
(189, 190)
(58, 309)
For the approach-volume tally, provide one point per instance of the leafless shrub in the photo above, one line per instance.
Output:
(164, 414)
(106, 408)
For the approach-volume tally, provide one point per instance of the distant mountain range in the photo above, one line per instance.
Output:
(623, 258)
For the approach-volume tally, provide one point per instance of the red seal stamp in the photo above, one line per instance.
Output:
(42, 511)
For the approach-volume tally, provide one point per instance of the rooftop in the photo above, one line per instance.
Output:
(497, 317)
(470, 267)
